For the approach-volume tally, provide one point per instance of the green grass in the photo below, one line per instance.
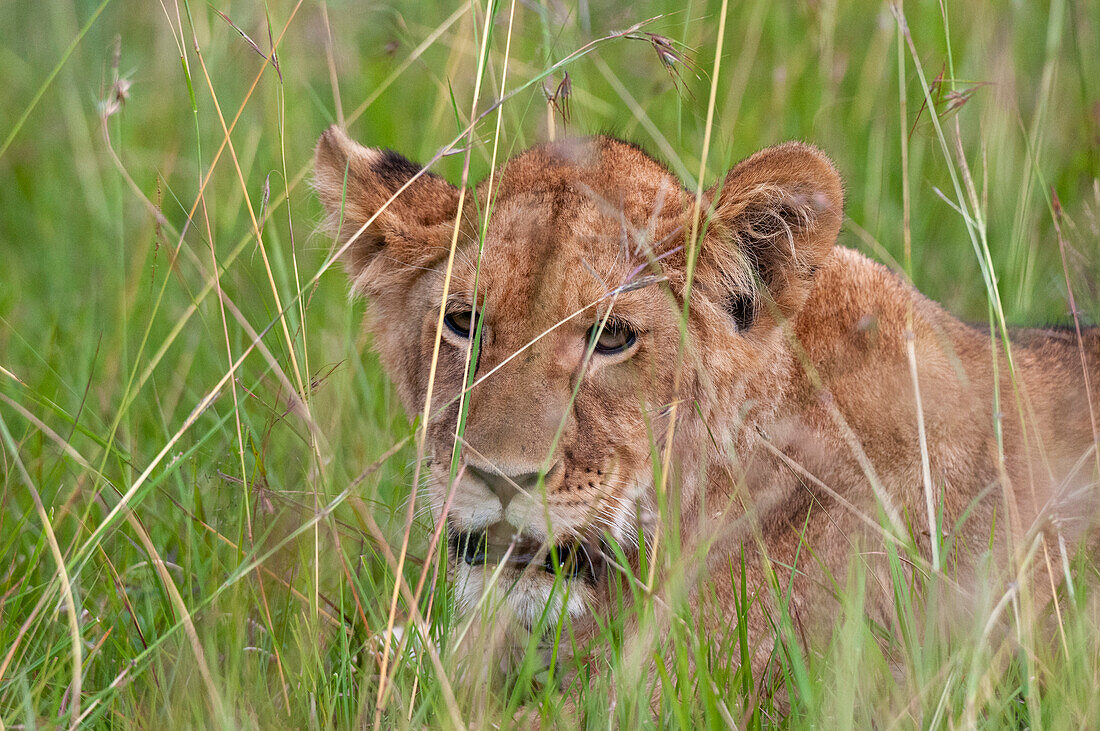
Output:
(223, 538)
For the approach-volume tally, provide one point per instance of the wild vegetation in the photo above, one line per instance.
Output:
(206, 476)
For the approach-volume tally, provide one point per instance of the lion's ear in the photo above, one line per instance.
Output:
(356, 184)
(775, 217)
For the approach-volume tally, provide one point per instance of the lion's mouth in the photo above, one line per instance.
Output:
(573, 559)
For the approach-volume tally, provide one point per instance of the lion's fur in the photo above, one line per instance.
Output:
(796, 412)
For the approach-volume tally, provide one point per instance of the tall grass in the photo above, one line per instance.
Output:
(205, 516)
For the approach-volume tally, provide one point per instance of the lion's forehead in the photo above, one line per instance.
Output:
(594, 174)
(528, 267)
(606, 166)
(574, 257)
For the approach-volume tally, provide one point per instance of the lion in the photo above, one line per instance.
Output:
(612, 344)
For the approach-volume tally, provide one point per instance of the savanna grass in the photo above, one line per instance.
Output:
(206, 514)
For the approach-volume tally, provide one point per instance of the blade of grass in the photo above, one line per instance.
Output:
(693, 244)
(50, 78)
(62, 573)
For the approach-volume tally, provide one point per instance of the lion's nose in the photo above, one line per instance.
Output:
(505, 486)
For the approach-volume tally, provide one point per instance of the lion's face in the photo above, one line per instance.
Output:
(570, 395)
(566, 323)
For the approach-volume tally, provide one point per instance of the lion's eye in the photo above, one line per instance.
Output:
(460, 322)
(614, 338)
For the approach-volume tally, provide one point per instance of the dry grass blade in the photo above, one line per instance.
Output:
(693, 244)
(213, 695)
(558, 100)
(673, 57)
(251, 43)
(930, 500)
(427, 412)
(468, 357)
(256, 229)
(62, 574)
(290, 343)
(233, 124)
(133, 388)
(945, 97)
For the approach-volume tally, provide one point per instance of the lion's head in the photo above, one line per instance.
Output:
(565, 313)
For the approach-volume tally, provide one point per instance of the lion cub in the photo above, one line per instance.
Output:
(631, 355)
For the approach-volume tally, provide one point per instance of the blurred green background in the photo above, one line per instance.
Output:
(112, 333)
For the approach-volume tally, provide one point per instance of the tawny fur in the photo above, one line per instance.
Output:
(796, 412)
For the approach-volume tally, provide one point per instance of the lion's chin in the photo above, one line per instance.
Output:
(519, 584)
(527, 598)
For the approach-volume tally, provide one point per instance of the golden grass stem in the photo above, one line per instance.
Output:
(922, 438)
(693, 245)
(256, 231)
(469, 350)
(425, 417)
(62, 572)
